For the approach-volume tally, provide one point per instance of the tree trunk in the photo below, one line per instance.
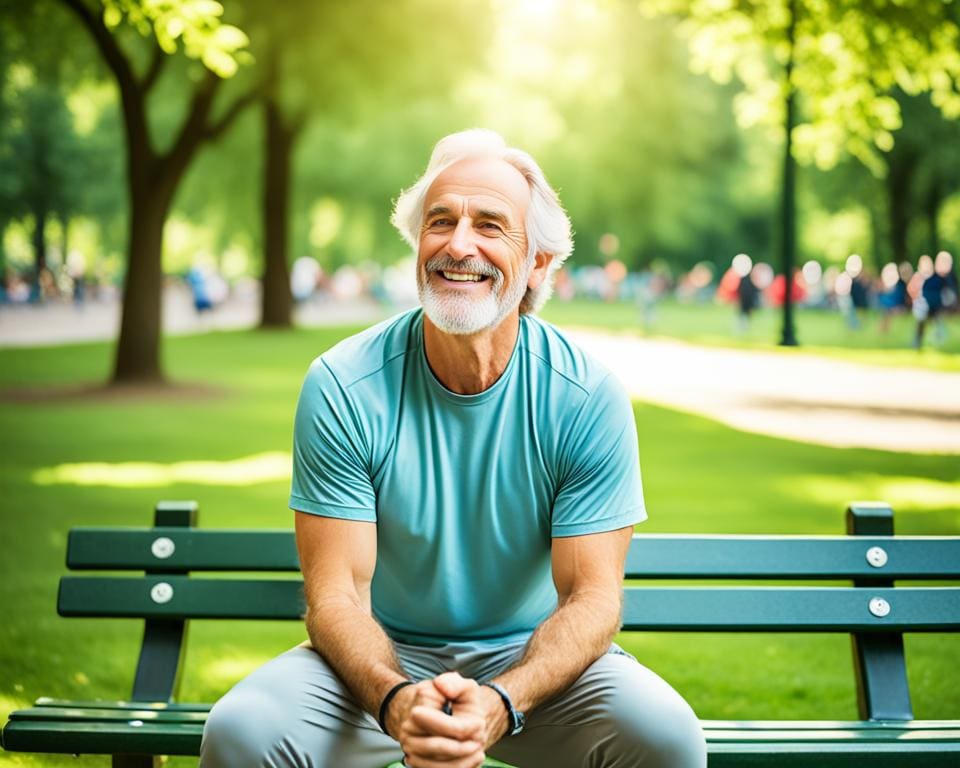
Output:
(138, 348)
(789, 210)
(39, 253)
(277, 300)
(901, 169)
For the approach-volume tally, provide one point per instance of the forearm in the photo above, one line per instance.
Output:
(562, 647)
(351, 641)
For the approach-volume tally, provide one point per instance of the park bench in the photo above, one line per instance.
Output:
(174, 555)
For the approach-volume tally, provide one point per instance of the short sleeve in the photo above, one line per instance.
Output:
(599, 486)
(330, 455)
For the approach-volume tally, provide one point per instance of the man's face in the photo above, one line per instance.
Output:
(472, 265)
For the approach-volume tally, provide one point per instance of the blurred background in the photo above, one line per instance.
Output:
(194, 203)
(249, 153)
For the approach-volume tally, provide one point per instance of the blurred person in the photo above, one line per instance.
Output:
(305, 276)
(892, 296)
(946, 268)
(747, 295)
(777, 291)
(466, 483)
(858, 296)
(925, 288)
(939, 295)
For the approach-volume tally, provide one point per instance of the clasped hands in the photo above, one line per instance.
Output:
(430, 738)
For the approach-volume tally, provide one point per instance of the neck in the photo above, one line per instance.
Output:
(470, 364)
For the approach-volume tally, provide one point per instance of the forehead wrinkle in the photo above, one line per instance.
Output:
(478, 209)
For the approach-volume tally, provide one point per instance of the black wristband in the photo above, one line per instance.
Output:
(382, 719)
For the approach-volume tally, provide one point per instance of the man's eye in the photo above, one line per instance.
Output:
(441, 223)
(490, 225)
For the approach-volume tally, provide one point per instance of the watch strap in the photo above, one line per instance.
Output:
(515, 718)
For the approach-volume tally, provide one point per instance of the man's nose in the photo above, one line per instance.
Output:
(462, 243)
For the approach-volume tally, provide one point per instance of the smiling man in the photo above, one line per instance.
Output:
(465, 483)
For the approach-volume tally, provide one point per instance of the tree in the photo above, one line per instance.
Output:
(153, 173)
(47, 156)
(842, 58)
(333, 58)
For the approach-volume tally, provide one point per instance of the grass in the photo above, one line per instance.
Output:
(699, 476)
(819, 332)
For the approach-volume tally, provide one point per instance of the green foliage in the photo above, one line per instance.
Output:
(849, 55)
(195, 23)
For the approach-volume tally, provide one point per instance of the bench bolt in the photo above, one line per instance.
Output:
(161, 593)
(877, 557)
(879, 607)
(162, 548)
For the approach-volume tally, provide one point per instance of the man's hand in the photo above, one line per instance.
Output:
(430, 738)
(477, 702)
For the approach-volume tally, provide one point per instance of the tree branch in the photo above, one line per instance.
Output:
(216, 129)
(153, 72)
(107, 45)
(176, 159)
(131, 95)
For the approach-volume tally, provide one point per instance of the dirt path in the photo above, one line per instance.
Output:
(798, 396)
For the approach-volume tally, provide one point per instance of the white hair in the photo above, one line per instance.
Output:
(547, 225)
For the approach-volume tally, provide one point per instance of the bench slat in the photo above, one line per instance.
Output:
(650, 556)
(46, 701)
(111, 714)
(908, 743)
(197, 550)
(93, 738)
(182, 597)
(791, 609)
(795, 609)
(797, 557)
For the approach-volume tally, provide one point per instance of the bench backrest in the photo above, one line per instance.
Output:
(872, 610)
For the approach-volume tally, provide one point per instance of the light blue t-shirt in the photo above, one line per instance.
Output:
(466, 490)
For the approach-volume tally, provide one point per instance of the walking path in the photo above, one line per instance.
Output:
(797, 396)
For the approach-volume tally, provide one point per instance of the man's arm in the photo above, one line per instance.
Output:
(337, 558)
(588, 574)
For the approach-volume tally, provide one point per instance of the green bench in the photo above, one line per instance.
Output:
(174, 556)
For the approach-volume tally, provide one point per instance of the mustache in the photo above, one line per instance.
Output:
(444, 263)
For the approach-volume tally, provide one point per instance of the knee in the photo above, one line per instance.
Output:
(652, 725)
(241, 729)
(672, 739)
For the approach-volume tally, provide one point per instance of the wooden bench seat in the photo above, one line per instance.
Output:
(854, 593)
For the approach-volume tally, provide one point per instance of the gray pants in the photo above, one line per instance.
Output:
(295, 713)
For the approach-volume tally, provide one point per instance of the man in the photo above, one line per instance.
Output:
(466, 483)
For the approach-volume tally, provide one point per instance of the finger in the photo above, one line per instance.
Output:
(440, 748)
(427, 695)
(452, 685)
(432, 721)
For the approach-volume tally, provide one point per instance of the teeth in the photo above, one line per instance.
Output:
(462, 277)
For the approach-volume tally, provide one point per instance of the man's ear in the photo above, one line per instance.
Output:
(541, 265)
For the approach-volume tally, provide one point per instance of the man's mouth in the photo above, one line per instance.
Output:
(463, 277)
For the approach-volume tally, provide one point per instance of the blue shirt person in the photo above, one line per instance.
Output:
(465, 487)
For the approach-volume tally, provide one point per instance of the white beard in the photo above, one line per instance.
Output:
(459, 314)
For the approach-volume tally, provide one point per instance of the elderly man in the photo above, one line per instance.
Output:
(465, 482)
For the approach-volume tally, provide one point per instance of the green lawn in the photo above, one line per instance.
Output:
(699, 477)
(818, 331)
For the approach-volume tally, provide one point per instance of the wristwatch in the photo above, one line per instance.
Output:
(515, 717)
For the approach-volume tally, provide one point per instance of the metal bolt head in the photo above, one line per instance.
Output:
(879, 607)
(877, 557)
(161, 593)
(162, 548)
